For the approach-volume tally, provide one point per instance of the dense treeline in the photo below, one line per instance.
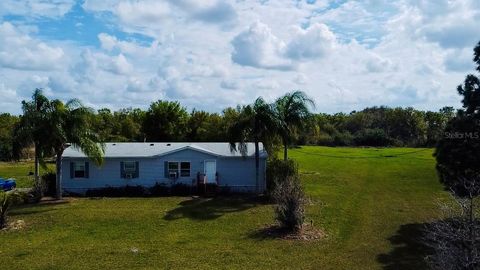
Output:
(169, 121)
(163, 121)
(378, 126)
(7, 125)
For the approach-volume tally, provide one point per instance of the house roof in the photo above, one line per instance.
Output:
(152, 149)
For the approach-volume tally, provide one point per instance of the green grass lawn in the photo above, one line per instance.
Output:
(21, 172)
(370, 202)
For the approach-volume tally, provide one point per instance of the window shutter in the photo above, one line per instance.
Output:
(71, 170)
(166, 169)
(137, 171)
(87, 170)
(122, 170)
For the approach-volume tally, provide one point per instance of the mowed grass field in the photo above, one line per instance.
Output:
(370, 202)
(22, 171)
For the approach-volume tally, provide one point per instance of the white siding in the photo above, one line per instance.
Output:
(236, 173)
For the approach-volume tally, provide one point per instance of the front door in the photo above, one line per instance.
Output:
(210, 170)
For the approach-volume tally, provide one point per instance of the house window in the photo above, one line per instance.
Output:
(178, 169)
(129, 167)
(79, 170)
(185, 169)
(173, 169)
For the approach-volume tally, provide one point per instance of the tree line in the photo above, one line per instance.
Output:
(378, 126)
(170, 121)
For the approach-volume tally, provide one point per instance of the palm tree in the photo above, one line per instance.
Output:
(257, 122)
(292, 110)
(68, 126)
(31, 130)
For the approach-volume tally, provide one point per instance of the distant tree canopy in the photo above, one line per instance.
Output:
(377, 126)
(165, 121)
(169, 121)
(7, 124)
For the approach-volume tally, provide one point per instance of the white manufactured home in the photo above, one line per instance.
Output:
(147, 164)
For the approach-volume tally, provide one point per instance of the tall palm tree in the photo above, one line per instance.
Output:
(257, 122)
(292, 110)
(68, 126)
(31, 130)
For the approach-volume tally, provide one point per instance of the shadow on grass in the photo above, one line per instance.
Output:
(268, 233)
(308, 233)
(28, 209)
(408, 252)
(211, 208)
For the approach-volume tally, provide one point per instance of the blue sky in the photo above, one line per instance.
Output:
(210, 54)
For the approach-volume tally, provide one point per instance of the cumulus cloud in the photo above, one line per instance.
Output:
(136, 84)
(107, 41)
(156, 18)
(211, 54)
(20, 51)
(142, 13)
(301, 79)
(459, 60)
(119, 65)
(34, 8)
(313, 42)
(63, 84)
(229, 84)
(376, 63)
(259, 47)
(207, 10)
(458, 34)
(405, 95)
(450, 24)
(7, 94)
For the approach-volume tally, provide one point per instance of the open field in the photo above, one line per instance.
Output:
(20, 171)
(370, 202)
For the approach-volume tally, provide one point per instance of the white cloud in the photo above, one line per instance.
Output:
(313, 42)
(20, 51)
(35, 8)
(143, 13)
(8, 95)
(119, 65)
(63, 84)
(301, 79)
(229, 84)
(107, 41)
(459, 60)
(376, 63)
(460, 34)
(212, 11)
(211, 54)
(450, 24)
(259, 47)
(265, 83)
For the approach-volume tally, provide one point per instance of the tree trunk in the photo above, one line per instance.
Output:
(3, 221)
(58, 183)
(36, 173)
(471, 209)
(472, 230)
(257, 166)
(3, 217)
(285, 151)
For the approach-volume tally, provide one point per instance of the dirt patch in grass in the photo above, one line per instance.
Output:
(15, 225)
(51, 200)
(307, 233)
